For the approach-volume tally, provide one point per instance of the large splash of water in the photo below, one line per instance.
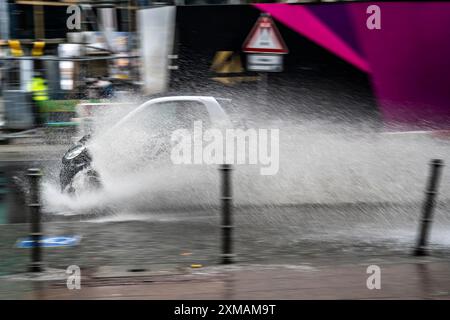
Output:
(322, 161)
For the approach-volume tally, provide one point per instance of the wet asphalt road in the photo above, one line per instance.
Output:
(279, 235)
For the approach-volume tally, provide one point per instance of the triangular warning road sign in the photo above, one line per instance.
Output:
(265, 38)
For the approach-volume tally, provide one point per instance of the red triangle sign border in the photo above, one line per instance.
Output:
(264, 19)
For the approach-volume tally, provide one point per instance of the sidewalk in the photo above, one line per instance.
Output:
(421, 280)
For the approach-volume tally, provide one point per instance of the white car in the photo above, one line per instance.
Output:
(145, 132)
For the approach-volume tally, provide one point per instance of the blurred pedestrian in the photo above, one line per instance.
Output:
(39, 90)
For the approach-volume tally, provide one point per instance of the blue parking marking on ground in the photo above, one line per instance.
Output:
(59, 241)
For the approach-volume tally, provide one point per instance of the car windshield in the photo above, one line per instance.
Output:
(166, 117)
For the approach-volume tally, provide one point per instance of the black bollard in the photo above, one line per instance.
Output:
(227, 221)
(428, 207)
(35, 219)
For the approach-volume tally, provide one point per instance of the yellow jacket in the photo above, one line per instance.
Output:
(39, 89)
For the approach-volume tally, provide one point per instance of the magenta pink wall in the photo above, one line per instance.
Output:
(408, 59)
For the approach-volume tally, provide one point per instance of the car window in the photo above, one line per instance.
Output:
(147, 133)
(165, 117)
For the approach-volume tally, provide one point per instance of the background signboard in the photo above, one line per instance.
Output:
(265, 62)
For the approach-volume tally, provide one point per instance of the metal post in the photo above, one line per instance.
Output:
(35, 219)
(227, 221)
(3, 192)
(428, 207)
